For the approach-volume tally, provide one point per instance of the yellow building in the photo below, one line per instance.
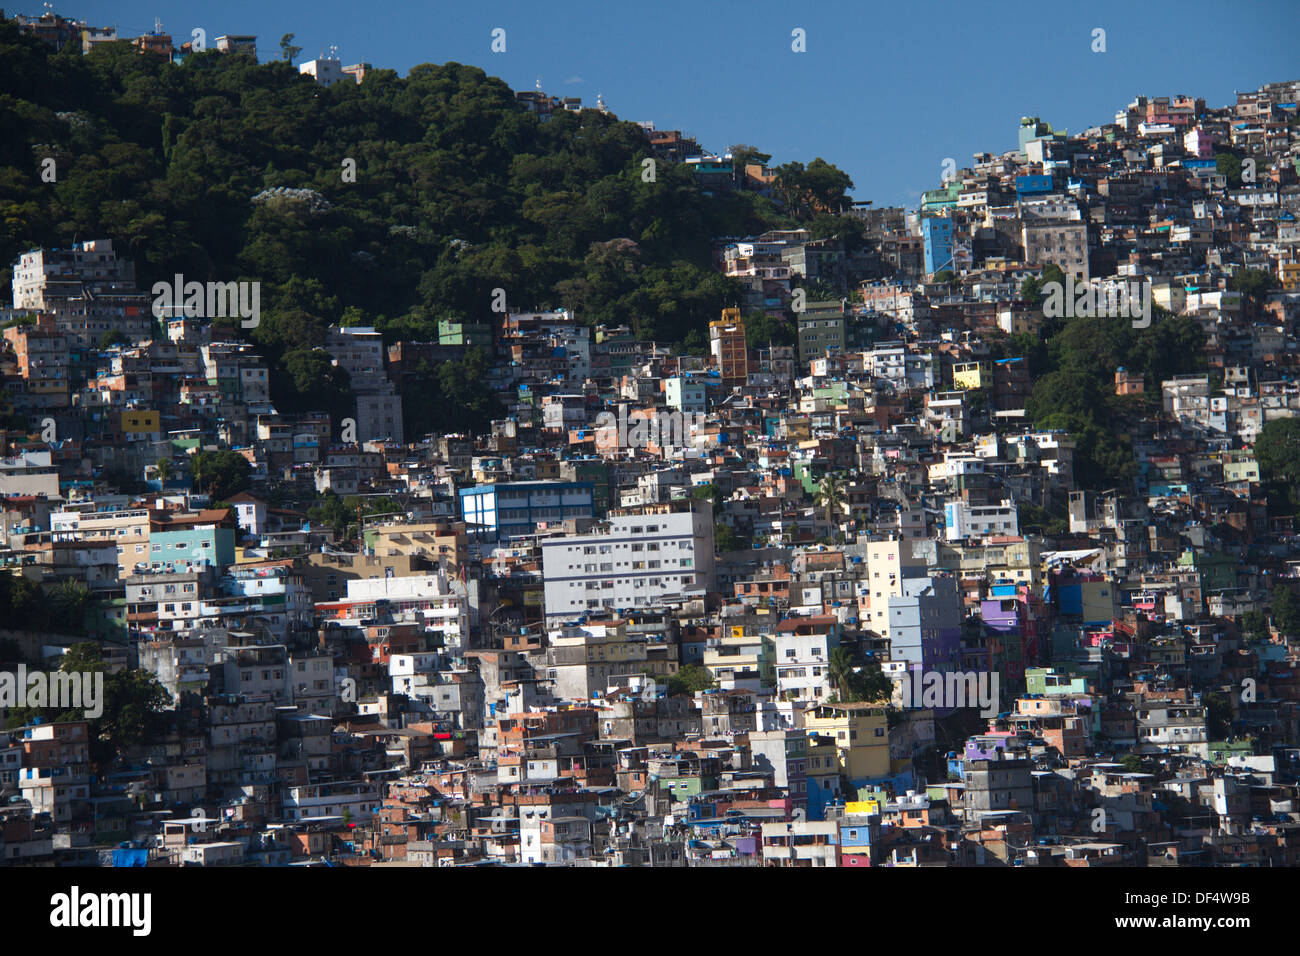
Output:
(1289, 274)
(966, 375)
(435, 540)
(139, 421)
(1240, 466)
(1016, 560)
(740, 661)
(327, 575)
(861, 735)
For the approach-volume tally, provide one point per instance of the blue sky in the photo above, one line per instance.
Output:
(886, 91)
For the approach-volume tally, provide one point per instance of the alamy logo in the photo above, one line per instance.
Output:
(60, 690)
(640, 428)
(75, 910)
(1094, 299)
(211, 300)
(950, 690)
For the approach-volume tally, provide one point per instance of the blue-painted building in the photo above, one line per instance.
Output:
(191, 548)
(1034, 185)
(936, 233)
(513, 508)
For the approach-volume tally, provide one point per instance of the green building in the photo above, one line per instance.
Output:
(464, 333)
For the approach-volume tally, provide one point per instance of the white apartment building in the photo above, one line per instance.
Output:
(428, 599)
(889, 564)
(802, 663)
(639, 558)
(324, 70)
(87, 289)
(1188, 400)
(583, 660)
(42, 276)
(963, 520)
(685, 395)
(325, 800)
(413, 674)
(128, 529)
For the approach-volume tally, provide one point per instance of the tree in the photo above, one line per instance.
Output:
(164, 469)
(1049, 524)
(312, 382)
(1286, 611)
(708, 492)
(112, 337)
(815, 290)
(1254, 626)
(743, 155)
(1218, 716)
(69, 603)
(763, 330)
(817, 187)
(725, 539)
(132, 704)
(828, 185)
(689, 679)
(1031, 291)
(1132, 763)
(333, 513)
(1254, 285)
(1277, 451)
(855, 680)
(288, 52)
(839, 668)
(1229, 166)
(456, 397)
(830, 496)
(221, 473)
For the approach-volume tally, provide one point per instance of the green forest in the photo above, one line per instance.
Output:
(220, 168)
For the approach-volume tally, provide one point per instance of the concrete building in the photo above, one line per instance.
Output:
(507, 509)
(728, 348)
(638, 558)
(359, 351)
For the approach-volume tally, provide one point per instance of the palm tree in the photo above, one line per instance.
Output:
(164, 470)
(830, 495)
(841, 670)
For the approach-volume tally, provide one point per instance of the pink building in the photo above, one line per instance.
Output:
(1199, 143)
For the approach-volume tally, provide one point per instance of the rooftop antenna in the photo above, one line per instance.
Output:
(157, 25)
(539, 82)
(334, 51)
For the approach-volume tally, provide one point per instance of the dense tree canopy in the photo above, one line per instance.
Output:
(1277, 449)
(221, 473)
(457, 191)
(53, 608)
(224, 169)
(131, 707)
(1073, 365)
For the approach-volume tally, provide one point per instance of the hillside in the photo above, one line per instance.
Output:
(457, 192)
